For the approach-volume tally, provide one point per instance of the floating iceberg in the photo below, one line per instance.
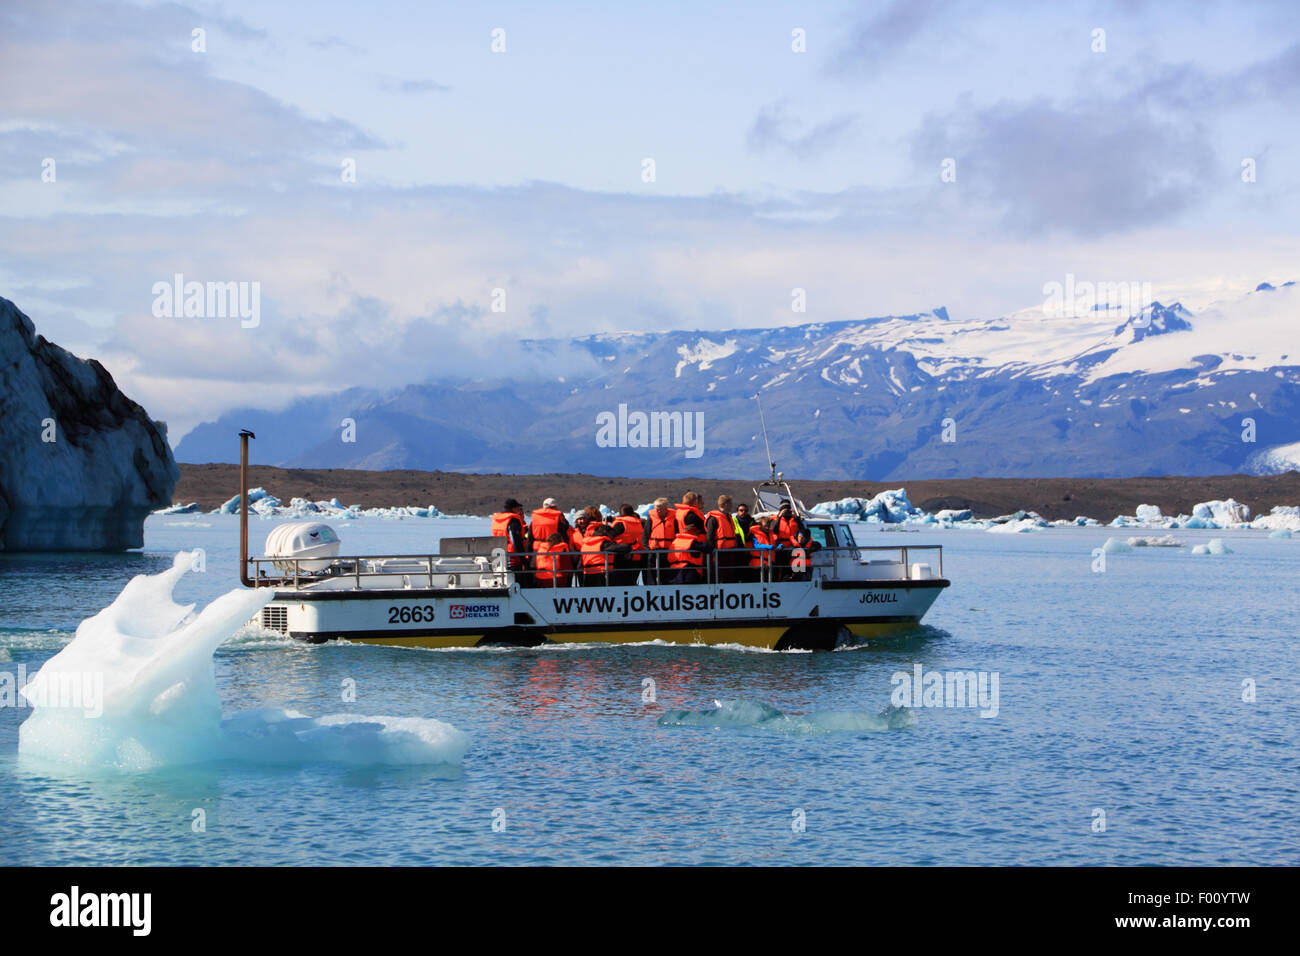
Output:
(1224, 514)
(146, 696)
(1213, 546)
(1149, 541)
(752, 714)
(1021, 522)
(888, 507)
(1283, 517)
(231, 507)
(83, 465)
(843, 508)
(263, 504)
(268, 506)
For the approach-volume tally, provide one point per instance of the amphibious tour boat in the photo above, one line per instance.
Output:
(467, 595)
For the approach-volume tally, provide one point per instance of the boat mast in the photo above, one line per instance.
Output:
(771, 463)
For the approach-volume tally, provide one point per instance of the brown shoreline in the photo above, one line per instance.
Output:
(453, 493)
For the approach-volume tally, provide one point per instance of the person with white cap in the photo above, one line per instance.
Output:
(547, 520)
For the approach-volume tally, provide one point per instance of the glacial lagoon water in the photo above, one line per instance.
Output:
(1145, 715)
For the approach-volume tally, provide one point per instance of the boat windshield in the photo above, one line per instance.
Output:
(832, 535)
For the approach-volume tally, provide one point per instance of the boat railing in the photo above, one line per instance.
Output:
(654, 567)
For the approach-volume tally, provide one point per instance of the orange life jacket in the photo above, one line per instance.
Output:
(758, 556)
(553, 563)
(630, 533)
(662, 530)
(787, 531)
(725, 535)
(681, 556)
(545, 522)
(575, 538)
(501, 528)
(594, 558)
(683, 510)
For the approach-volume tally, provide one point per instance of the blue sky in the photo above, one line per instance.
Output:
(522, 171)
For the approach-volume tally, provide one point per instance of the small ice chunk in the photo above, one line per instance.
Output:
(1213, 546)
(1151, 541)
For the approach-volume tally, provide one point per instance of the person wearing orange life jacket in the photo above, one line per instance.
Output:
(691, 548)
(554, 567)
(579, 526)
(508, 523)
(794, 541)
(546, 520)
(689, 507)
(599, 549)
(628, 530)
(721, 529)
(790, 527)
(575, 533)
(660, 529)
(763, 539)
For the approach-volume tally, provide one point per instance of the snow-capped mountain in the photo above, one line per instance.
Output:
(1035, 393)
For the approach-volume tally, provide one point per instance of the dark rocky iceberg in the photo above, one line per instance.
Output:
(81, 465)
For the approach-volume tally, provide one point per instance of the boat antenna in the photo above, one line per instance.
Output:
(766, 444)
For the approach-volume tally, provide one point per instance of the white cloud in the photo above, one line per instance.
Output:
(167, 164)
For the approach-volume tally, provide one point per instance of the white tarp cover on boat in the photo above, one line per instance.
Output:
(302, 540)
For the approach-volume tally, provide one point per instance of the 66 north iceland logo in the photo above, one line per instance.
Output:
(459, 612)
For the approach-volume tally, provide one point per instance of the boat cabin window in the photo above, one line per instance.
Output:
(823, 534)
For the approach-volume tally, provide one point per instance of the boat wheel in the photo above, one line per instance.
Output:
(812, 636)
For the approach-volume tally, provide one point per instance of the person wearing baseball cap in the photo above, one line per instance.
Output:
(546, 521)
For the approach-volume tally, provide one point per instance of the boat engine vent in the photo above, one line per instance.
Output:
(275, 617)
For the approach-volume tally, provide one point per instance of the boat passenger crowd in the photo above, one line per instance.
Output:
(674, 544)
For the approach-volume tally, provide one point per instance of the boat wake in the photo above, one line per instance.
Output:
(135, 689)
(747, 714)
